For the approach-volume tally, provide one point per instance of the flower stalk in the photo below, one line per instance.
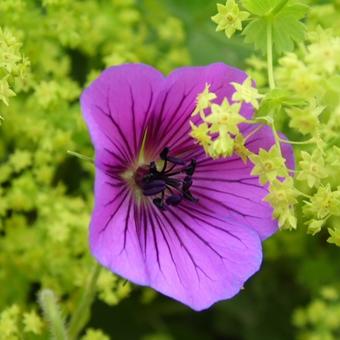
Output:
(270, 54)
(82, 313)
(49, 305)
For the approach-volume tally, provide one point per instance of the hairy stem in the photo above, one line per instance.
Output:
(270, 54)
(49, 305)
(82, 313)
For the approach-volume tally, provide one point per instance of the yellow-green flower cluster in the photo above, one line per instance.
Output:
(311, 73)
(312, 168)
(111, 289)
(321, 318)
(271, 169)
(44, 207)
(218, 133)
(94, 334)
(218, 130)
(306, 100)
(14, 67)
(16, 324)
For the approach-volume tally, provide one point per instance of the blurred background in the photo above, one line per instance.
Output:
(53, 48)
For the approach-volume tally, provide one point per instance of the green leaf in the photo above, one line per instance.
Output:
(286, 27)
(255, 33)
(260, 7)
(277, 99)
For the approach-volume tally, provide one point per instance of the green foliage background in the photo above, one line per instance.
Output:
(56, 48)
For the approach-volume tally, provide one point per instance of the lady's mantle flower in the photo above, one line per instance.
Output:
(165, 214)
(247, 92)
(204, 100)
(229, 18)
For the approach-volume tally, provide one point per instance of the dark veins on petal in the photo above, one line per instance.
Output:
(167, 185)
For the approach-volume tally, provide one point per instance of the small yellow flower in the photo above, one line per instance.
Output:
(324, 202)
(305, 120)
(247, 93)
(5, 91)
(201, 134)
(226, 115)
(94, 334)
(32, 323)
(229, 18)
(222, 146)
(268, 165)
(204, 100)
(282, 197)
(314, 226)
(312, 168)
(240, 149)
(334, 236)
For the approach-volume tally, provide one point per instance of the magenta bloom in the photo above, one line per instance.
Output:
(166, 215)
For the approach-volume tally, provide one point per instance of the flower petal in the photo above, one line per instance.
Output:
(116, 107)
(113, 229)
(226, 186)
(199, 259)
(185, 253)
(197, 253)
(169, 125)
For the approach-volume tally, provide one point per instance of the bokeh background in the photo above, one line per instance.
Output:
(56, 48)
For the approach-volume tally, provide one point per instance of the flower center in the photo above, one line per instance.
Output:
(171, 184)
(230, 18)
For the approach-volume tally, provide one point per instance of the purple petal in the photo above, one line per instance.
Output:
(169, 125)
(116, 107)
(199, 259)
(227, 188)
(113, 230)
(198, 253)
(185, 253)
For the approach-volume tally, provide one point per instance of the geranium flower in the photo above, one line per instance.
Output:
(166, 215)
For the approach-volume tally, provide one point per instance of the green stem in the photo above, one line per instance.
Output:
(276, 137)
(310, 141)
(80, 156)
(270, 54)
(82, 313)
(303, 194)
(49, 305)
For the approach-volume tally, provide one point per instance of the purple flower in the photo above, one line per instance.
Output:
(166, 215)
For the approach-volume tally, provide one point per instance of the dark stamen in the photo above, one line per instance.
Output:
(164, 154)
(175, 160)
(191, 168)
(153, 187)
(174, 199)
(159, 203)
(154, 182)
